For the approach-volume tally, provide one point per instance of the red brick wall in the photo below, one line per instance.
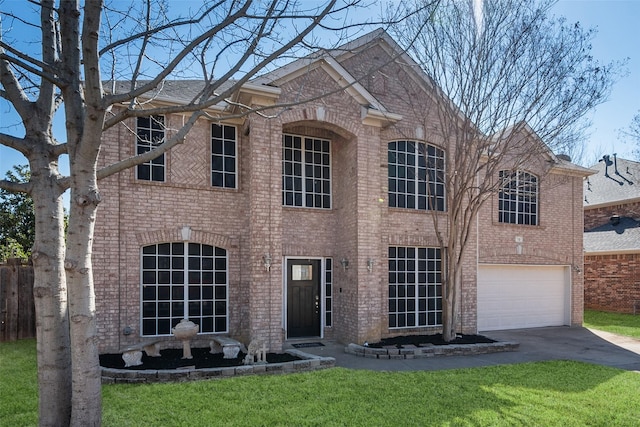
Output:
(612, 283)
(594, 217)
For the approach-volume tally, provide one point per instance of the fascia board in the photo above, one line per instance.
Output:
(613, 252)
(612, 203)
(373, 117)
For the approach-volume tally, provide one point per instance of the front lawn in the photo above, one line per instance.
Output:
(616, 323)
(544, 393)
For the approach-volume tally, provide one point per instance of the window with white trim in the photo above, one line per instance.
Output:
(416, 176)
(306, 172)
(518, 198)
(415, 287)
(183, 280)
(150, 134)
(223, 156)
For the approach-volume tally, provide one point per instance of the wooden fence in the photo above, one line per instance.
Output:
(17, 312)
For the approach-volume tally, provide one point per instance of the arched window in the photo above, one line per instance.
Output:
(184, 280)
(416, 176)
(518, 198)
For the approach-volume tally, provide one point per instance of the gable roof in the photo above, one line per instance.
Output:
(330, 62)
(559, 163)
(622, 236)
(616, 181)
(183, 92)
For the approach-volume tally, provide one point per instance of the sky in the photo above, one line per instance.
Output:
(618, 37)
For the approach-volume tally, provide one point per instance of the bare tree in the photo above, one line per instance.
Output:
(82, 56)
(504, 73)
(633, 133)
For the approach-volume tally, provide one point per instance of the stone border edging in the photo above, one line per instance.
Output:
(430, 350)
(309, 362)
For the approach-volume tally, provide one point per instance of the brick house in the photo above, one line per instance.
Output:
(612, 236)
(313, 222)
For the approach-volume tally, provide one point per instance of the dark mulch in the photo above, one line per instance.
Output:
(172, 359)
(435, 339)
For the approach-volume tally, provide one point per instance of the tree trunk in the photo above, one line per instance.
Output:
(449, 308)
(50, 297)
(86, 374)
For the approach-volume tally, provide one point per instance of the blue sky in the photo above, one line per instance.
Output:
(618, 37)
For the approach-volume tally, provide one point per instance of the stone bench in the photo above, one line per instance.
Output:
(132, 355)
(229, 347)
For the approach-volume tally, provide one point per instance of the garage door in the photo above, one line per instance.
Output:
(512, 297)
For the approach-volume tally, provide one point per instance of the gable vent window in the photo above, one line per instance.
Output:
(518, 198)
(306, 172)
(416, 176)
(150, 134)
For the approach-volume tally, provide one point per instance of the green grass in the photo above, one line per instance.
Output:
(616, 323)
(557, 393)
(18, 384)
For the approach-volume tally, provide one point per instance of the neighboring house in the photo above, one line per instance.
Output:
(612, 236)
(314, 222)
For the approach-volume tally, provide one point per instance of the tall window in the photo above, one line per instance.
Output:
(518, 198)
(184, 281)
(416, 176)
(415, 287)
(306, 172)
(328, 283)
(150, 134)
(223, 156)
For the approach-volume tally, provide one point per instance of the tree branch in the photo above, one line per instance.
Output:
(171, 142)
(16, 187)
(18, 144)
(13, 91)
(159, 29)
(152, 84)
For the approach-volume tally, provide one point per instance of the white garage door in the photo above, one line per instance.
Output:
(512, 297)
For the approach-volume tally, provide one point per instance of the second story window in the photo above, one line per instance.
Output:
(306, 172)
(150, 134)
(518, 198)
(223, 156)
(416, 176)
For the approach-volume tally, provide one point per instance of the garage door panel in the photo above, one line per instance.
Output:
(511, 297)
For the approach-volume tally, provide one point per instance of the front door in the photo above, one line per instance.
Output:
(303, 298)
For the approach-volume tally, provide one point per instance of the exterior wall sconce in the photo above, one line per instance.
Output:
(370, 263)
(345, 263)
(577, 269)
(266, 258)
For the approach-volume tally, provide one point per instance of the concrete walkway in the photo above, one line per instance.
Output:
(537, 344)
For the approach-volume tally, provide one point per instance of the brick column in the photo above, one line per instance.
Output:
(371, 289)
(265, 231)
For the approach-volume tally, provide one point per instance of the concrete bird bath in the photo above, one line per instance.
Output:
(185, 331)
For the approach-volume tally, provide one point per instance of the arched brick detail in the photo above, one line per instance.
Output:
(398, 133)
(175, 235)
(413, 240)
(529, 256)
(331, 120)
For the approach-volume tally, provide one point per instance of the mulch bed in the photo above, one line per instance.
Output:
(172, 359)
(435, 339)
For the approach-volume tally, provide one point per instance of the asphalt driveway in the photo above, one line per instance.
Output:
(537, 344)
